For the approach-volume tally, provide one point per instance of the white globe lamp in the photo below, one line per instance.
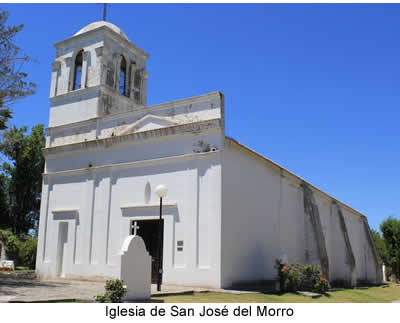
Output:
(161, 190)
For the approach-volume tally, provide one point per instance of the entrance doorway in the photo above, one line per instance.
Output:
(148, 230)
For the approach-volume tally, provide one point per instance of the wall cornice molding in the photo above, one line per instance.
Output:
(71, 94)
(140, 163)
(101, 30)
(170, 204)
(136, 109)
(62, 212)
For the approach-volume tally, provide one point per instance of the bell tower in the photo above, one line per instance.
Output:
(97, 72)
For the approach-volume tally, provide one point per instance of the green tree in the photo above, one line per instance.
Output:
(380, 245)
(25, 175)
(21, 249)
(5, 221)
(13, 84)
(390, 229)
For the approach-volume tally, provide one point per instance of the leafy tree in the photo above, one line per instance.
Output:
(21, 249)
(27, 251)
(380, 245)
(5, 221)
(390, 229)
(25, 175)
(11, 243)
(13, 85)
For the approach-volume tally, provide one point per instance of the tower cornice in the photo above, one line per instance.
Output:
(103, 30)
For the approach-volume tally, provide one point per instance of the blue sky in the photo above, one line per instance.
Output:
(313, 87)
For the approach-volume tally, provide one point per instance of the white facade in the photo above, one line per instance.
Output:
(229, 212)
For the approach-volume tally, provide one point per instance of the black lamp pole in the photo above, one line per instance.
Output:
(160, 256)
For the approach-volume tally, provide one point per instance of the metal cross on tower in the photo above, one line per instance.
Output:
(105, 11)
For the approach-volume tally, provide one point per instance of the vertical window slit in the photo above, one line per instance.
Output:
(122, 77)
(78, 71)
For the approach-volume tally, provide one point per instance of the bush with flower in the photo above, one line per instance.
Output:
(321, 286)
(295, 277)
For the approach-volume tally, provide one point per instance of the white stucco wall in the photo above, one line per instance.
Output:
(365, 263)
(250, 207)
(263, 217)
(99, 203)
(339, 267)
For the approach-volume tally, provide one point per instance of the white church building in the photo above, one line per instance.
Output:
(229, 212)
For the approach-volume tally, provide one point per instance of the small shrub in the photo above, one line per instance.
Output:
(294, 277)
(21, 249)
(11, 244)
(292, 274)
(27, 252)
(115, 291)
(310, 275)
(321, 286)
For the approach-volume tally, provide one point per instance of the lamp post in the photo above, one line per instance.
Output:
(161, 190)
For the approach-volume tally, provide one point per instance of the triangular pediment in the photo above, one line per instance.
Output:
(148, 122)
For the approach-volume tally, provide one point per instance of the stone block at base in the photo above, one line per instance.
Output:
(9, 264)
(309, 294)
(136, 269)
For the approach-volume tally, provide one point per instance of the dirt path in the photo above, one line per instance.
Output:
(24, 286)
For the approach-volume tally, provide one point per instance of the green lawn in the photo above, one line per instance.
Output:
(21, 268)
(370, 295)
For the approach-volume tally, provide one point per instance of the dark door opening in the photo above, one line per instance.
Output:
(149, 231)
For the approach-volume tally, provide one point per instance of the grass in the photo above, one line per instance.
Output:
(19, 271)
(370, 295)
(22, 268)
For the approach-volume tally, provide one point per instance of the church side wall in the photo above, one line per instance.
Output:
(340, 269)
(293, 228)
(263, 218)
(339, 254)
(366, 269)
(250, 206)
(340, 273)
